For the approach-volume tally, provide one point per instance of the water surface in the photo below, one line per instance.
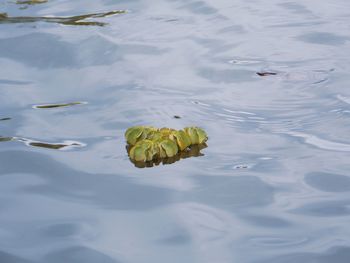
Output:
(273, 184)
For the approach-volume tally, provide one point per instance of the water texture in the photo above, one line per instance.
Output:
(268, 81)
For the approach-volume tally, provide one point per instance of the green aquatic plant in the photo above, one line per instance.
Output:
(147, 150)
(69, 20)
(181, 138)
(138, 133)
(192, 151)
(147, 143)
(143, 151)
(166, 148)
(196, 135)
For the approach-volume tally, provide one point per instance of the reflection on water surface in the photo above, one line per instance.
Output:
(72, 20)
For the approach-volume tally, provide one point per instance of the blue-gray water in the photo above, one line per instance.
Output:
(274, 183)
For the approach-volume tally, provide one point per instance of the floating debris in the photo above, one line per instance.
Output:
(31, 2)
(5, 119)
(241, 166)
(56, 146)
(243, 62)
(147, 144)
(177, 117)
(59, 105)
(26, 3)
(47, 145)
(6, 139)
(70, 20)
(266, 73)
(65, 145)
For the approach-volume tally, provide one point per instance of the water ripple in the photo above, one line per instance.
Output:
(321, 143)
(275, 241)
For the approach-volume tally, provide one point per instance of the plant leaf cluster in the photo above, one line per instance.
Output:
(147, 143)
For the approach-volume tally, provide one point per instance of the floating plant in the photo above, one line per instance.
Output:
(149, 144)
(69, 20)
(192, 151)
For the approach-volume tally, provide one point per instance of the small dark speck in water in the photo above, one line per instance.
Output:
(5, 119)
(177, 117)
(266, 73)
(172, 20)
(59, 105)
(241, 166)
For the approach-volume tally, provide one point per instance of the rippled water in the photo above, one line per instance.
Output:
(273, 184)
